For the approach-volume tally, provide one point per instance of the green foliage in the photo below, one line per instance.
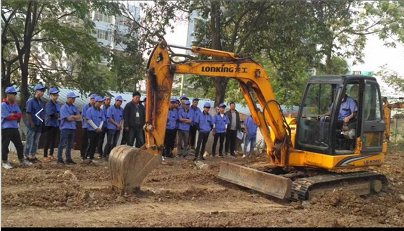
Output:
(392, 78)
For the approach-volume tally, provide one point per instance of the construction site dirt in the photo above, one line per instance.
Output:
(180, 193)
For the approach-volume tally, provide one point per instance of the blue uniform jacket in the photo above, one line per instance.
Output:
(6, 110)
(51, 108)
(116, 114)
(220, 123)
(33, 107)
(205, 121)
(185, 115)
(66, 111)
(97, 116)
(172, 119)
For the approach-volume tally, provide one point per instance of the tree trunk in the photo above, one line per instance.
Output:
(215, 28)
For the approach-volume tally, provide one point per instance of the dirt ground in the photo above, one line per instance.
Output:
(178, 194)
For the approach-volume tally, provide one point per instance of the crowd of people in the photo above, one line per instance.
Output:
(100, 118)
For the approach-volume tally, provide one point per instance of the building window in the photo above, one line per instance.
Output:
(102, 34)
(120, 21)
(102, 17)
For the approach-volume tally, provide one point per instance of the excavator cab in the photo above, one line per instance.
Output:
(341, 95)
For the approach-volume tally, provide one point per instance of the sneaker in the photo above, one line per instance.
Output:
(61, 162)
(7, 165)
(93, 161)
(163, 158)
(70, 162)
(202, 158)
(244, 156)
(195, 159)
(25, 163)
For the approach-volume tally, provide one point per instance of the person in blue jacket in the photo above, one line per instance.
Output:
(104, 108)
(10, 117)
(171, 129)
(95, 119)
(204, 124)
(69, 114)
(114, 125)
(251, 135)
(52, 115)
(35, 117)
(220, 122)
(84, 126)
(185, 121)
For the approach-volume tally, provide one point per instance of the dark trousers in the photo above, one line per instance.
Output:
(231, 141)
(84, 143)
(136, 132)
(94, 137)
(192, 136)
(51, 135)
(66, 140)
(217, 135)
(112, 140)
(13, 135)
(101, 142)
(202, 139)
(169, 141)
(124, 137)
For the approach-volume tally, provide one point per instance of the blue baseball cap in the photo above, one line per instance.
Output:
(187, 102)
(99, 99)
(173, 100)
(119, 98)
(71, 95)
(107, 97)
(39, 87)
(207, 104)
(93, 96)
(184, 97)
(222, 105)
(53, 91)
(195, 99)
(11, 90)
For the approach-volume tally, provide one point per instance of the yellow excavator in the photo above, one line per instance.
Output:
(307, 154)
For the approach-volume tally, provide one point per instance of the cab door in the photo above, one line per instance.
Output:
(373, 124)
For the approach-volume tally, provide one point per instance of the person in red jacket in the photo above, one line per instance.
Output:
(10, 116)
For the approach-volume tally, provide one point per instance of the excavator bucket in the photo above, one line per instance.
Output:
(129, 166)
(270, 184)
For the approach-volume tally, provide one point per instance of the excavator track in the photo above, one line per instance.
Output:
(362, 183)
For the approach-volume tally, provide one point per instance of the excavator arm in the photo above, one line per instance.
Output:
(251, 76)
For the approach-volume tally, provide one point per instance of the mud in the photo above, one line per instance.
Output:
(179, 194)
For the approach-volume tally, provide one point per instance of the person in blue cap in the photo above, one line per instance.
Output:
(10, 117)
(114, 125)
(35, 116)
(104, 108)
(84, 126)
(69, 114)
(52, 114)
(204, 123)
(171, 129)
(195, 113)
(134, 120)
(220, 122)
(95, 120)
(185, 121)
(251, 135)
(183, 98)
